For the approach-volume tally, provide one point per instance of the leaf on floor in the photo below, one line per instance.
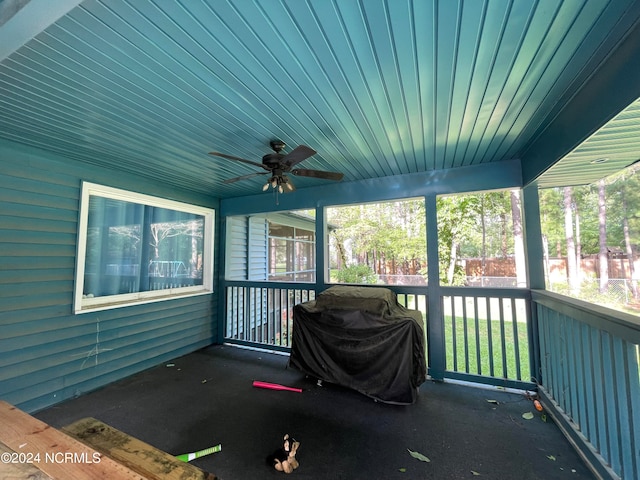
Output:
(402, 470)
(475, 474)
(418, 456)
(551, 457)
(493, 401)
(527, 415)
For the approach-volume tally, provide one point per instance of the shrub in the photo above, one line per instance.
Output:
(356, 274)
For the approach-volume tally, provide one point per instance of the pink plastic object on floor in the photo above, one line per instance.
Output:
(275, 386)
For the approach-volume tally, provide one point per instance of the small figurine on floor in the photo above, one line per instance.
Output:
(284, 459)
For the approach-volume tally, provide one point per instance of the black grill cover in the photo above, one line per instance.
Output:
(361, 338)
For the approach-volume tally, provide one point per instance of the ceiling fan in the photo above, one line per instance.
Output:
(278, 165)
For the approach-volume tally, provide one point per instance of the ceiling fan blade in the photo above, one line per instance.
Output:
(244, 177)
(238, 159)
(298, 154)
(304, 172)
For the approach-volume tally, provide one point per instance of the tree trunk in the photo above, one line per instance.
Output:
(627, 243)
(503, 235)
(578, 247)
(452, 262)
(341, 252)
(603, 257)
(516, 216)
(545, 253)
(571, 246)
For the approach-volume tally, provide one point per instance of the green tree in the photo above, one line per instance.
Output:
(457, 222)
(389, 237)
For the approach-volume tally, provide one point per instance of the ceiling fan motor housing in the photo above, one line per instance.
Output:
(272, 160)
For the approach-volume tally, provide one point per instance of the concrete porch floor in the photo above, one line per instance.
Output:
(206, 398)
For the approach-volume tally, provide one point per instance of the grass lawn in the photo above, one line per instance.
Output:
(493, 348)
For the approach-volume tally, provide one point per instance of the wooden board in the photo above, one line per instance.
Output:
(13, 468)
(135, 454)
(59, 456)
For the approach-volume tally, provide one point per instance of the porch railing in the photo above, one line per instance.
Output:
(261, 314)
(487, 331)
(488, 335)
(589, 359)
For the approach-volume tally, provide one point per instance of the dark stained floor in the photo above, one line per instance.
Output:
(207, 397)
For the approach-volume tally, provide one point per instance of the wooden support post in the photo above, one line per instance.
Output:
(141, 457)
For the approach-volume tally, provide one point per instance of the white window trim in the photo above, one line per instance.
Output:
(84, 305)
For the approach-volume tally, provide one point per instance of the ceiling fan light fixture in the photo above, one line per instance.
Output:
(265, 187)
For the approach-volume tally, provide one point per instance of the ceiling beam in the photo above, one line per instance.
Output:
(468, 179)
(22, 20)
(613, 86)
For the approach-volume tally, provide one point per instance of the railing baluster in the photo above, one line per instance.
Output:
(277, 317)
(492, 372)
(454, 340)
(465, 334)
(581, 378)
(237, 307)
(622, 406)
(589, 428)
(603, 442)
(503, 343)
(612, 403)
(516, 343)
(571, 367)
(476, 325)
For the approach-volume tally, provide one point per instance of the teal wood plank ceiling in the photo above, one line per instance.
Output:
(377, 87)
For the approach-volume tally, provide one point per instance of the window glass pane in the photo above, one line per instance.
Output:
(277, 246)
(378, 243)
(302, 234)
(480, 240)
(280, 259)
(590, 237)
(138, 248)
(133, 250)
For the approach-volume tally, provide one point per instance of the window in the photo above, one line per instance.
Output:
(480, 240)
(277, 247)
(378, 243)
(292, 252)
(135, 248)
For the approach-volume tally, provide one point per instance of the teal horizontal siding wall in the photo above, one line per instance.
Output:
(47, 354)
